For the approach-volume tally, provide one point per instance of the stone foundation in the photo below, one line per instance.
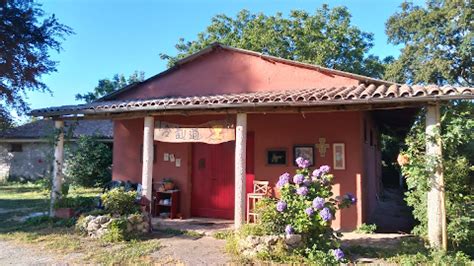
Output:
(250, 246)
(97, 226)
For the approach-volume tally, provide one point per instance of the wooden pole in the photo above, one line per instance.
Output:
(437, 231)
(57, 166)
(147, 166)
(240, 169)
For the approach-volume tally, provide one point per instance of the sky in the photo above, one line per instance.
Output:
(123, 36)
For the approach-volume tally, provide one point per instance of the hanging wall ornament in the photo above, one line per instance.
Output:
(322, 147)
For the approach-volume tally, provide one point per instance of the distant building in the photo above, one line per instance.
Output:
(26, 152)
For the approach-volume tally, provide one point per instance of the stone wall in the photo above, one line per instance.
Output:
(98, 226)
(250, 246)
(35, 161)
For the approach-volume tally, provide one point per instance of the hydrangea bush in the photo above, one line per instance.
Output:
(306, 206)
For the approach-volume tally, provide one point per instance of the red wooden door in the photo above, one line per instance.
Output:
(213, 178)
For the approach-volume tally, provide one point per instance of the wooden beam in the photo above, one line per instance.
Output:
(240, 169)
(57, 166)
(437, 232)
(147, 166)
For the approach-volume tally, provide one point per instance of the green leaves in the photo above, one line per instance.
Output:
(26, 37)
(438, 43)
(324, 38)
(90, 164)
(457, 134)
(106, 86)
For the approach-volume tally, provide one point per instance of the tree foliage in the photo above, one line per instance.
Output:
(438, 42)
(106, 86)
(325, 38)
(26, 38)
(90, 164)
(457, 134)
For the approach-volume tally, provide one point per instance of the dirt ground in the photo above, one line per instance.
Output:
(175, 250)
(191, 251)
(15, 254)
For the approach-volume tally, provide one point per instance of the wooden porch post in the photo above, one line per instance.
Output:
(57, 165)
(437, 233)
(147, 166)
(240, 169)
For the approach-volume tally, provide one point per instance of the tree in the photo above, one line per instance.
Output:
(457, 133)
(325, 38)
(26, 38)
(106, 86)
(90, 164)
(438, 48)
(438, 42)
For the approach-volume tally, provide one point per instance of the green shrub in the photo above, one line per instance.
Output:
(224, 234)
(366, 228)
(79, 203)
(251, 230)
(90, 164)
(306, 207)
(457, 134)
(120, 202)
(117, 231)
(45, 220)
(269, 218)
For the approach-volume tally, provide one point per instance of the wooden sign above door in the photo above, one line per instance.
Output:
(213, 132)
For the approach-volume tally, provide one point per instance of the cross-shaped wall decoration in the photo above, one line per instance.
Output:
(322, 147)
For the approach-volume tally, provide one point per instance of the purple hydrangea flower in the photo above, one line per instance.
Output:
(283, 180)
(298, 179)
(302, 191)
(338, 254)
(302, 162)
(316, 174)
(318, 203)
(325, 214)
(324, 169)
(281, 206)
(351, 198)
(307, 182)
(289, 230)
(309, 211)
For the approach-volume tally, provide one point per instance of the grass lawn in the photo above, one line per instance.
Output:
(58, 236)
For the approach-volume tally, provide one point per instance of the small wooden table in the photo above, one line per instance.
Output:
(166, 202)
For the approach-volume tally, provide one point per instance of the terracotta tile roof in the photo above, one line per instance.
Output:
(362, 94)
(41, 129)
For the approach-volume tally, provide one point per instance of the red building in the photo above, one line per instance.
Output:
(274, 107)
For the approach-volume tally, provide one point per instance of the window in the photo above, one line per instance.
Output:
(365, 131)
(16, 147)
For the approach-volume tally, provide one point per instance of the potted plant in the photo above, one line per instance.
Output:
(64, 208)
(168, 184)
(67, 207)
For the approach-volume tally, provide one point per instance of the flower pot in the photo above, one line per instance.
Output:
(64, 213)
(168, 185)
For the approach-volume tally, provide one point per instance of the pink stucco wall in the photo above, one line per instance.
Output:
(224, 71)
(270, 131)
(372, 164)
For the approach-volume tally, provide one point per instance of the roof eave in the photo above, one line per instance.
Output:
(327, 103)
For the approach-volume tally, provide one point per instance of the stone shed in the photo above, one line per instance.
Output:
(26, 151)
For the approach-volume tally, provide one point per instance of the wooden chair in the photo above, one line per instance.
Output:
(260, 189)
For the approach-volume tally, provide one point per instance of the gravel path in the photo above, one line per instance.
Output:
(15, 254)
(191, 251)
(175, 250)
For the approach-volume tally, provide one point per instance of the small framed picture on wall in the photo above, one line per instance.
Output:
(305, 151)
(276, 157)
(339, 156)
